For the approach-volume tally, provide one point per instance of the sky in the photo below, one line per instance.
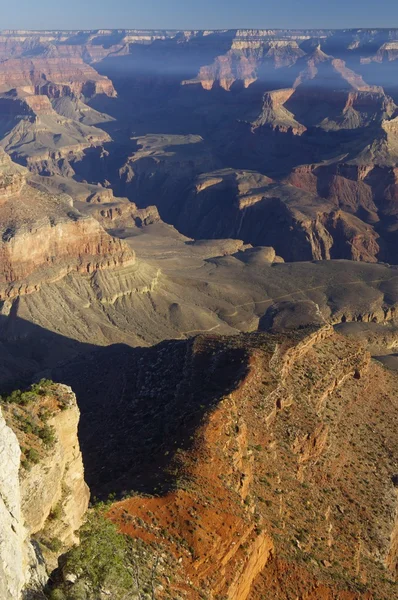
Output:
(196, 14)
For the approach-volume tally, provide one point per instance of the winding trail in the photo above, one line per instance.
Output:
(283, 296)
(304, 292)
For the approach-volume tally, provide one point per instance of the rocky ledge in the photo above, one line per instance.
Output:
(43, 238)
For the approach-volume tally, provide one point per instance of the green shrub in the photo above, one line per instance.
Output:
(32, 456)
(105, 560)
(56, 512)
(57, 595)
(42, 387)
(54, 544)
(47, 435)
(23, 398)
(101, 557)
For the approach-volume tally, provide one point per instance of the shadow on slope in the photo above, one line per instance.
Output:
(141, 405)
(138, 405)
(26, 349)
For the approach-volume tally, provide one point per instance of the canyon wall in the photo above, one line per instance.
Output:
(271, 491)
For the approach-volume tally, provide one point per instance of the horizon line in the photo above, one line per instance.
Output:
(201, 29)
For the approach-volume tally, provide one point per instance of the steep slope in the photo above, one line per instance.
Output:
(275, 462)
(56, 76)
(162, 166)
(152, 284)
(276, 116)
(361, 181)
(44, 238)
(249, 206)
(73, 108)
(13, 570)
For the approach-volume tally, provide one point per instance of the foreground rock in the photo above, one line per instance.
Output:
(13, 536)
(43, 493)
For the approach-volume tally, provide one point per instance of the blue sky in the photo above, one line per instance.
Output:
(200, 14)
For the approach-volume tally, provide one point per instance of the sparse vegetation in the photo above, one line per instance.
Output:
(27, 412)
(26, 397)
(105, 564)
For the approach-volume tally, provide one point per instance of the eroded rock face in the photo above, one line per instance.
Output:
(39, 138)
(162, 166)
(47, 499)
(57, 480)
(275, 116)
(12, 534)
(22, 566)
(268, 486)
(287, 315)
(66, 75)
(12, 177)
(249, 206)
(44, 238)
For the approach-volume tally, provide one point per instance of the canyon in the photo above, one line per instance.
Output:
(198, 243)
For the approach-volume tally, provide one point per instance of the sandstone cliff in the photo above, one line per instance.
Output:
(47, 494)
(249, 206)
(39, 138)
(57, 481)
(13, 572)
(275, 463)
(54, 76)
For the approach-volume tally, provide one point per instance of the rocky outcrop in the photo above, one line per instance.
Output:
(249, 206)
(46, 495)
(12, 178)
(54, 495)
(42, 140)
(44, 238)
(162, 167)
(276, 116)
(54, 77)
(117, 213)
(253, 55)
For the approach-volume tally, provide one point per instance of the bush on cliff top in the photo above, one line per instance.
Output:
(23, 398)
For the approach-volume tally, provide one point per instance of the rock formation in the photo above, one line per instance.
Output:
(36, 136)
(283, 103)
(13, 571)
(58, 479)
(53, 76)
(45, 494)
(44, 237)
(243, 204)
